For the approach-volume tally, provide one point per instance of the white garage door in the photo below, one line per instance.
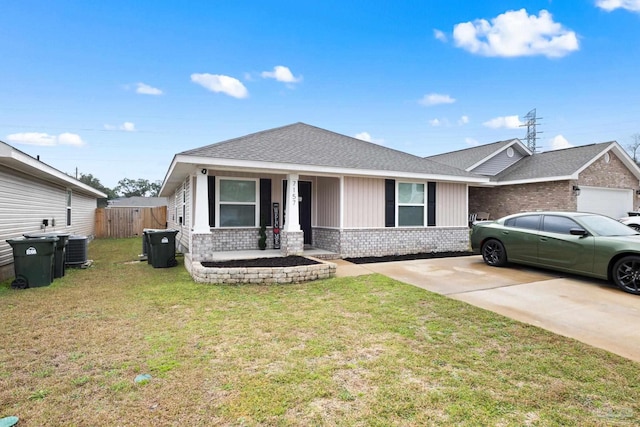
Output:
(606, 201)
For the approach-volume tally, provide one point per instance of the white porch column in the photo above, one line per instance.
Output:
(292, 216)
(201, 204)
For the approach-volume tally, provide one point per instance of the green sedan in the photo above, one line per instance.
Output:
(572, 242)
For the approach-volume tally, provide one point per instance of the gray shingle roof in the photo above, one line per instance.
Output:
(554, 163)
(464, 159)
(302, 144)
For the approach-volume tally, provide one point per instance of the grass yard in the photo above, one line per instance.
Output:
(364, 351)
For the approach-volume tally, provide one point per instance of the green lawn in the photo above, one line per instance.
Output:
(365, 351)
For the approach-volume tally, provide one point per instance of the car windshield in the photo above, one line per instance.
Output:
(605, 226)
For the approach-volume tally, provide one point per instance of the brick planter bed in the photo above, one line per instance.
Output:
(263, 271)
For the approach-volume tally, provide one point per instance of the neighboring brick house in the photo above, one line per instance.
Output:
(333, 192)
(600, 178)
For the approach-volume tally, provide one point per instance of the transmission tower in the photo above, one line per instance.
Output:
(532, 133)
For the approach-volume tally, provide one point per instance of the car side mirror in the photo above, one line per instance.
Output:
(578, 232)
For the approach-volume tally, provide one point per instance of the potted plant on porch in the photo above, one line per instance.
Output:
(262, 239)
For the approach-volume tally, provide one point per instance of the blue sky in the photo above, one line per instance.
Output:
(116, 88)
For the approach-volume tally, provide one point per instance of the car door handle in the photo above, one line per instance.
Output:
(543, 239)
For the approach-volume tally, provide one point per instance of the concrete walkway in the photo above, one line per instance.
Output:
(588, 310)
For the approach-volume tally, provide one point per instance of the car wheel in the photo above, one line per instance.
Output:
(626, 274)
(493, 253)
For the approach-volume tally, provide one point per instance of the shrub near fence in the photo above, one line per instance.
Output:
(128, 222)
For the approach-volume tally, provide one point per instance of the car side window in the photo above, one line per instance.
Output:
(558, 224)
(530, 222)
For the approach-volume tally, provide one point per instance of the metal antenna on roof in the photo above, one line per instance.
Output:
(532, 134)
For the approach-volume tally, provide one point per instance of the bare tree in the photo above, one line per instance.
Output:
(634, 147)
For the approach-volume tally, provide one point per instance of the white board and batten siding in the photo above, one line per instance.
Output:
(25, 202)
(451, 205)
(328, 202)
(364, 203)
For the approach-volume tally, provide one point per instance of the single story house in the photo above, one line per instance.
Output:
(35, 197)
(313, 187)
(600, 178)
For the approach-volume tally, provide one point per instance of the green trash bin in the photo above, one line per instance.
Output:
(61, 247)
(33, 261)
(162, 248)
(146, 243)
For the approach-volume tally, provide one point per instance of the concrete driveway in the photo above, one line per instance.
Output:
(592, 311)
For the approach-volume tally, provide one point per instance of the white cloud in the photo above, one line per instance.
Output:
(126, 126)
(365, 136)
(515, 33)
(463, 120)
(506, 122)
(145, 89)
(221, 84)
(281, 74)
(435, 99)
(70, 139)
(439, 35)
(558, 142)
(471, 142)
(46, 140)
(435, 122)
(609, 5)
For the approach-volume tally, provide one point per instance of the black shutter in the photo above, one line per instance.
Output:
(389, 203)
(211, 184)
(431, 204)
(265, 202)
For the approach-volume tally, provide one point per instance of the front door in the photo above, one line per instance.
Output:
(304, 207)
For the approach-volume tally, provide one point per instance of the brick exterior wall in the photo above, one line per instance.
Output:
(552, 195)
(612, 175)
(291, 242)
(227, 239)
(402, 241)
(510, 199)
(345, 243)
(327, 239)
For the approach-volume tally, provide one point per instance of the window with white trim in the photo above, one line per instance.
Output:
(184, 203)
(237, 202)
(411, 204)
(69, 197)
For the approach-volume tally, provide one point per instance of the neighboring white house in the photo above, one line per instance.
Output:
(36, 197)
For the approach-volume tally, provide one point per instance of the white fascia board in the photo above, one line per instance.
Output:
(172, 167)
(54, 174)
(500, 150)
(285, 168)
(533, 180)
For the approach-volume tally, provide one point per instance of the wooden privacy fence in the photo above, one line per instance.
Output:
(128, 222)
